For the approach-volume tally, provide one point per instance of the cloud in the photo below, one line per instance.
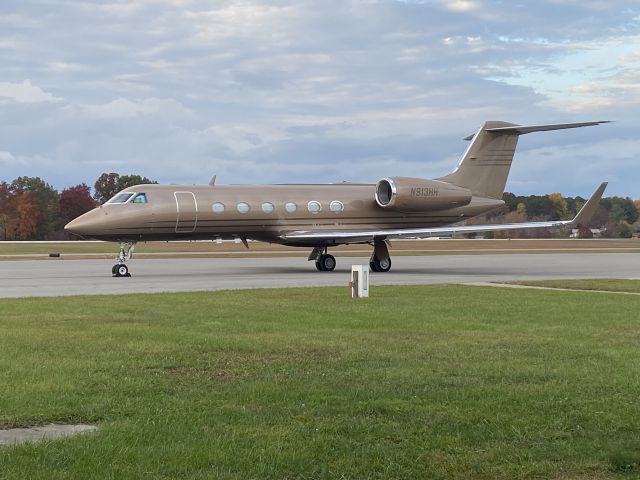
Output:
(25, 92)
(461, 5)
(126, 108)
(583, 76)
(6, 158)
(280, 91)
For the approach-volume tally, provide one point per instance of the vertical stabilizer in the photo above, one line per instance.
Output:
(485, 165)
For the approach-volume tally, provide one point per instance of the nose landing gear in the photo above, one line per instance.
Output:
(126, 252)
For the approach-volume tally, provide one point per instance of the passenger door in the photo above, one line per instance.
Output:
(187, 212)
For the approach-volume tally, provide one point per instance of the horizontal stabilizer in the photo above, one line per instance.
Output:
(521, 129)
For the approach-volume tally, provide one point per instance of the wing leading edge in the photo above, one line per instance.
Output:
(583, 217)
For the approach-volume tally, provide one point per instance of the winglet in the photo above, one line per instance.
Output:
(586, 212)
(212, 182)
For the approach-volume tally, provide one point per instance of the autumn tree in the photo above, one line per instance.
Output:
(108, 184)
(559, 206)
(127, 181)
(24, 224)
(535, 205)
(45, 198)
(624, 230)
(621, 209)
(74, 201)
(5, 198)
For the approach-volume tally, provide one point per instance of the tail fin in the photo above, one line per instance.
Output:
(485, 165)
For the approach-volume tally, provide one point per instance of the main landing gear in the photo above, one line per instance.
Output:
(324, 261)
(380, 260)
(126, 252)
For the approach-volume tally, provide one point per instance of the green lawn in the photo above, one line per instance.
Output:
(416, 382)
(608, 284)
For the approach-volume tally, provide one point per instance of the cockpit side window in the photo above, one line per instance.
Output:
(140, 198)
(121, 197)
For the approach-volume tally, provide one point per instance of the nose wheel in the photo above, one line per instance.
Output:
(120, 270)
(126, 252)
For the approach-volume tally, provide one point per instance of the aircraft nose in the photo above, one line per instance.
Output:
(85, 225)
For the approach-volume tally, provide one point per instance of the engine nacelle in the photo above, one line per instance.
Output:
(406, 194)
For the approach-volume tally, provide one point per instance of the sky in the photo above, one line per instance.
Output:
(304, 91)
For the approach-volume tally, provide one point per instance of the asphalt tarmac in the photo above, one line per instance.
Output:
(27, 278)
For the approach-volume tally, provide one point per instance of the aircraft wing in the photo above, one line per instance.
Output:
(583, 217)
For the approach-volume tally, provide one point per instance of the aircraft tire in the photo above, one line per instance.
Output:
(122, 271)
(114, 269)
(372, 266)
(319, 265)
(382, 265)
(327, 263)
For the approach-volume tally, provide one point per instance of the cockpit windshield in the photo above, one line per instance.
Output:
(128, 197)
(140, 198)
(121, 197)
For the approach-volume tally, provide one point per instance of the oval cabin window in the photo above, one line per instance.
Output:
(217, 207)
(243, 207)
(314, 207)
(290, 207)
(267, 207)
(336, 206)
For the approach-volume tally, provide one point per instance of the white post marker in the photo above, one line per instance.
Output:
(359, 281)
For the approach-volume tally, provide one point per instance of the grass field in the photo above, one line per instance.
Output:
(415, 382)
(603, 284)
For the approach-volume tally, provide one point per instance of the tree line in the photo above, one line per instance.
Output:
(31, 209)
(616, 217)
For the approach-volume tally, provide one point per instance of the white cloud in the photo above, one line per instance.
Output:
(25, 92)
(64, 67)
(125, 108)
(461, 5)
(6, 158)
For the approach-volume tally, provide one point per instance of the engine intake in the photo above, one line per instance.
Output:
(406, 194)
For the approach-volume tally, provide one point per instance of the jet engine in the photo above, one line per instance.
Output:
(405, 194)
